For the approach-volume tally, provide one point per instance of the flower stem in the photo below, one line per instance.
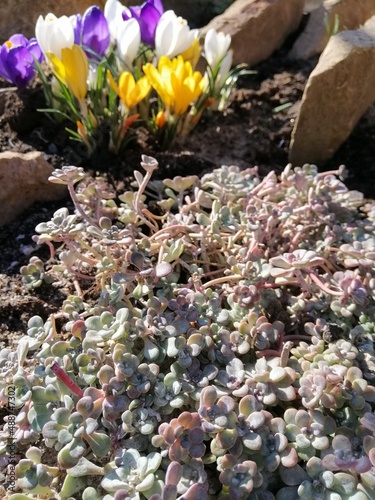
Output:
(66, 380)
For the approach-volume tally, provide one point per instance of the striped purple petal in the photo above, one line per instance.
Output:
(147, 15)
(16, 65)
(95, 32)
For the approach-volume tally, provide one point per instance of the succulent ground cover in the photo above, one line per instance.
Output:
(210, 337)
(227, 351)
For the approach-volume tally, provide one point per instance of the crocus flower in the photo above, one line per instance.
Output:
(54, 34)
(113, 11)
(148, 15)
(224, 69)
(193, 53)
(175, 82)
(173, 35)
(131, 92)
(91, 31)
(216, 46)
(76, 22)
(72, 69)
(128, 40)
(17, 58)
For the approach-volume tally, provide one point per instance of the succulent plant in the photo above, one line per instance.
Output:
(226, 349)
(131, 472)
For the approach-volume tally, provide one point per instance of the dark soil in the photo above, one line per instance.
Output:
(251, 132)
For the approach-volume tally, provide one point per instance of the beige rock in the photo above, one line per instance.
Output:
(23, 181)
(258, 27)
(349, 14)
(20, 16)
(338, 92)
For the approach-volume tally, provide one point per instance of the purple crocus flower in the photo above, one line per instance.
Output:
(76, 22)
(17, 59)
(147, 15)
(91, 31)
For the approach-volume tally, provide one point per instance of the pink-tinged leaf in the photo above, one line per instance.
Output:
(176, 453)
(185, 419)
(78, 329)
(208, 396)
(163, 269)
(196, 435)
(289, 457)
(174, 473)
(197, 450)
(226, 404)
(85, 406)
(329, 462)
(227, 438)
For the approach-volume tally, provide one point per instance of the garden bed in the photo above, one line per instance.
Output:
(252, 132)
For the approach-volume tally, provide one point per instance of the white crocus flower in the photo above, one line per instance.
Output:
(113, 10)
(216, 46)
(173, 35)
(128, 41)
(54, 34)
(225, 66)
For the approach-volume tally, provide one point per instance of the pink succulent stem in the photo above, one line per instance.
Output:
(66, 380)
(79, 208)
(324, 287)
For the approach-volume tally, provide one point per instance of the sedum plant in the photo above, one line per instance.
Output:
(225, 348)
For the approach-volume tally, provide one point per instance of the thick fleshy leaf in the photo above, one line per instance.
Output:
(208, 396)
(227, 438)
(163, 269)
(85, 468)
(99, 443)
(256, 419)
(66, 460)
(252, 441)
(90, 424)
(72, 485)
(293, 476)
(302, 441)
(153, 461)
(174, 473)
(289, 457)
(146, 484)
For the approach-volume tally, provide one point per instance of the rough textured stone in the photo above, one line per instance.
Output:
(351, 14)
(24, 180)
(338, 92)
(20, 16)
(258, 27)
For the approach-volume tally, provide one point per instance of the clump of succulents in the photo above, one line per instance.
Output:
(226, 350)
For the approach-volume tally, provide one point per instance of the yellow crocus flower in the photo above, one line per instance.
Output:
(72, 69)
(131, 92)
(175, 82)
(193, 53)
